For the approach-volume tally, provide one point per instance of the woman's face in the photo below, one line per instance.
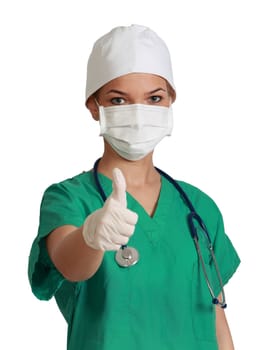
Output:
(142, 88)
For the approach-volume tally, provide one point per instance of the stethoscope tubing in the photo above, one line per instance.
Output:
(96, 179)
(193, 214)
(191, 217)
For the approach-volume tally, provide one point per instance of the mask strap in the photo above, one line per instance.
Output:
(100, 108)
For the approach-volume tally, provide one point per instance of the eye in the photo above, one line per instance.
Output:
(155, 99)
(117, 100)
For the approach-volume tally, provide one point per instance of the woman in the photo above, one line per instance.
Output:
(114, 244)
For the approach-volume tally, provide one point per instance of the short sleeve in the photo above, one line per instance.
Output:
(226, 255)
(58, 208)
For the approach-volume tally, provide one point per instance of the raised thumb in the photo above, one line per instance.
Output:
(119, 187)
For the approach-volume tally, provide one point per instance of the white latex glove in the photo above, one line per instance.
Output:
(110, 227)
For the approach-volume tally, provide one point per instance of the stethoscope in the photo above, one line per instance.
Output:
(127, 256)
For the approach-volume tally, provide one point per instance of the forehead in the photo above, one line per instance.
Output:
(136, 80)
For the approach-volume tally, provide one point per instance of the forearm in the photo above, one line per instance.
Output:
(70, 254)
(224, 338)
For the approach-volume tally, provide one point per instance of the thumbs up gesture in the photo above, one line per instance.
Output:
(112, 226)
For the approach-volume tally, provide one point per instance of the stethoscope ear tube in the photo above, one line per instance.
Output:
(215, 300)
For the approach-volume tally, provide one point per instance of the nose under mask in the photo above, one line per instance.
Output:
(134, 130)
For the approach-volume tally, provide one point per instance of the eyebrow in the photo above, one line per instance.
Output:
(114, 91)
(156, 90)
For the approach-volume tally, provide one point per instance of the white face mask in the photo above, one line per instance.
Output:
(134, 130)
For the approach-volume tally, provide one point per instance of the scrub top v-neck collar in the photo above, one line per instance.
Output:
(162, 207)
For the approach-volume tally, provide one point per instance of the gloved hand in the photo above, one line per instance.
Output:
(110, 227)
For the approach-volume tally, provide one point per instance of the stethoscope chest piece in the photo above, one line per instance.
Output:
(126, 256)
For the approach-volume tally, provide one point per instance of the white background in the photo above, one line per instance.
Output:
(224, 57)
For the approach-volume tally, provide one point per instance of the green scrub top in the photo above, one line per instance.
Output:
(163, 301)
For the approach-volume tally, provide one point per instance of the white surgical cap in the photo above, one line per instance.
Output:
(124, 50)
